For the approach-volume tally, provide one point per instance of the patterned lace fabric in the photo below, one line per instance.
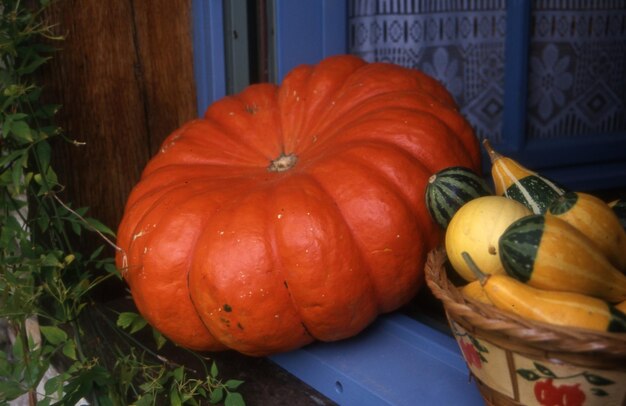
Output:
(576, 66)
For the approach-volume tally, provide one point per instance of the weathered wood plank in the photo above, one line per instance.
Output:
(124, 76)
(165, 53)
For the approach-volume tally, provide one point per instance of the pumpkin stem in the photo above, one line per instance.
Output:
(283, 163)
(493, 155)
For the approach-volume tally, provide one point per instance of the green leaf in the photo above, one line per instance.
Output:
(6, 127)
(103, 400)
(33, 93)
(22, 131)
(51, 177)
(102, 377)
(5, 366)
(76, 227)
(51, 259)
(233, 384)
(159, 339)
(146, 400)
(33, 65)
(175, 398)
(234, 399)
(10, 157)
(82, 211)
(48, 131)
(36, 367)
(44, 402)
(46, 182)
(528, 374)
(544, 370)
(599, 392)
(132, 321)
(96, 253)
(482, 357)
(69, 350)
(98, 226)
(47, 111)
(179, 373)
(138, 324)
(43, 152)
(217, 395)
(112, 269)
(38, 178)
(15, 117)
(125, 319)
(13, 90)
(214, 371)
(54, 335)
(17, 174)
(597, 379)
(11, 390)
(54, 385)
(481, 348)
(28, 176)
(43, 221)
(10, 230)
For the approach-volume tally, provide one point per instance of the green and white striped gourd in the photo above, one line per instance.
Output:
(451, 188)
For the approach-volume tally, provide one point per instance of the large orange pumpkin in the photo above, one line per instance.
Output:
(295, 213)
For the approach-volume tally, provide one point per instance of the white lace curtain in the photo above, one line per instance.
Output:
(576, 69)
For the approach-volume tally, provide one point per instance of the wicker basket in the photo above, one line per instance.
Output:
(521, 362)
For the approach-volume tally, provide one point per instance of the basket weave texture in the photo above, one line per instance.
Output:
(536, 340)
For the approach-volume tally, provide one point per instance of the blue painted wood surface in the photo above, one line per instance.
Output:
(208, 48)
(307, 32)
(396, 361)
(516, 73)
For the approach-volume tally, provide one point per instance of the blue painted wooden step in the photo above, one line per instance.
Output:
(396, 361)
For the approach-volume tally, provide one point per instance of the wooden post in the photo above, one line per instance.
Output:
(124, 78)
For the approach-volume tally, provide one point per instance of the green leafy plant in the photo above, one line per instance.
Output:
(46, 279)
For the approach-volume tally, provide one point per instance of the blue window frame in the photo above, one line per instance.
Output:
(307, 32)
(209, 54)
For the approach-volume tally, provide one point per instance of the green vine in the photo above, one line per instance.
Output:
(46, 281)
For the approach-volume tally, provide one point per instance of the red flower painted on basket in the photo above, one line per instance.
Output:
(547, 394)
(564, 395)
(471, 354)
(472, 349)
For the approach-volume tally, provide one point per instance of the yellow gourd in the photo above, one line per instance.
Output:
(515, 181)
(621, 306)
(559, 308)
(619, 208)
(596, 220)
(476, 228)
(474, 291)
(549, 253)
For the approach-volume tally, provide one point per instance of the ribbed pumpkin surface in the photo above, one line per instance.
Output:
(295, 213)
